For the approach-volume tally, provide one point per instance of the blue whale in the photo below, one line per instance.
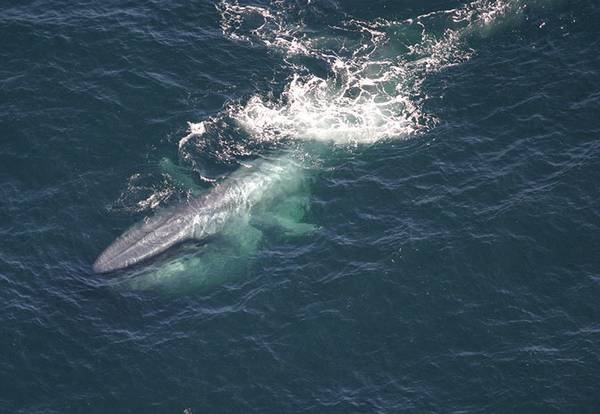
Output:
(246, 193)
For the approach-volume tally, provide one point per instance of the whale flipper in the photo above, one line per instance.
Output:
(288, 215)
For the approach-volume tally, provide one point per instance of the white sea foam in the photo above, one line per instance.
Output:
(376, 69)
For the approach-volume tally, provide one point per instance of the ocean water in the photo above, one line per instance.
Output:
(450, 152)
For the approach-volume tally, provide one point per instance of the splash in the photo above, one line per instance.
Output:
(373, 86)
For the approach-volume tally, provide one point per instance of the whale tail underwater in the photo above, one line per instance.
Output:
(265, 192)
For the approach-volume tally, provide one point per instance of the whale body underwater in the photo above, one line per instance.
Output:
(247, 193)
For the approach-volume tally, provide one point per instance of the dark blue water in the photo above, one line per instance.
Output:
(452, 151)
